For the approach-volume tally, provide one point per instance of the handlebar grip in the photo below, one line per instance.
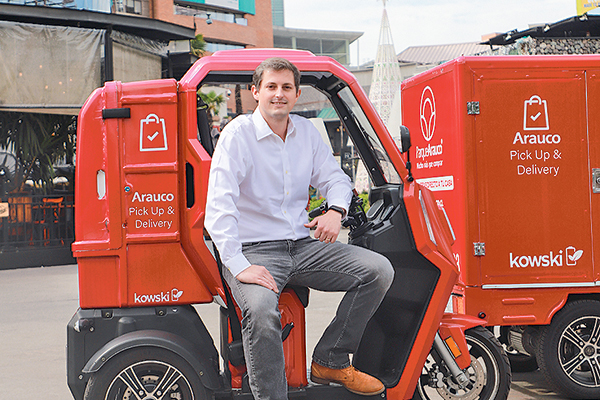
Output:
(318, 211)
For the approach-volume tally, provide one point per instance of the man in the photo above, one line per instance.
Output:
(258, 190)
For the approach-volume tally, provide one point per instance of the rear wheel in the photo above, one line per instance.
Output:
(489, 373)
(145, 373)
(569, 350)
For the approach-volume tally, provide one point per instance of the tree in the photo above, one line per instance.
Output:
(213, 102)
(38, 142)
(198, 45)
(238, 100)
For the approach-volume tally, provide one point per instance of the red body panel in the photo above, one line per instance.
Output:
(514, 176)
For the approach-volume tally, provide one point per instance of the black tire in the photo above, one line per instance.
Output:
(522, 362)
(489, 373)
(152, 372)
(569, 350)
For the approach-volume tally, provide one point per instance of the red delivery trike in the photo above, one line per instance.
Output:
(143, 157)
(510, 147)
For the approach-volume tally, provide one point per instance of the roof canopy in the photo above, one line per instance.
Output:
(580, 27)
(140, 26)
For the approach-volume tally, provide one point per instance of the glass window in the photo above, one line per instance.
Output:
(389, 171)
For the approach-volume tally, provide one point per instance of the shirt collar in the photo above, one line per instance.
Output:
(262, 128)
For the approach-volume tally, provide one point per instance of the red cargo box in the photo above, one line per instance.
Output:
(510, 146)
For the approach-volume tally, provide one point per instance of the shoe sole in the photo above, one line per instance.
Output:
(327, 382)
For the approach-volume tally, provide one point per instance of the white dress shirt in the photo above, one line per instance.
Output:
(258, 184)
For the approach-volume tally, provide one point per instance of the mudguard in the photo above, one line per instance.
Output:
(96, 335)
(155, 338)
(455, 325)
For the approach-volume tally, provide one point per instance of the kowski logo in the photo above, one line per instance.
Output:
(569, 257)
(162, 297)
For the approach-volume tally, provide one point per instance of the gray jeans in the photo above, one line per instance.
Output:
(364, 275)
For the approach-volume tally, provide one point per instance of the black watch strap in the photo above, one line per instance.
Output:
(338, 209)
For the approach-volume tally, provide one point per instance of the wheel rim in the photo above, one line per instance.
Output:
(579, 351)
(150, 380)
(483, 374)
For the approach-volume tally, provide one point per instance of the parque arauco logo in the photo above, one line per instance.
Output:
(427, 113)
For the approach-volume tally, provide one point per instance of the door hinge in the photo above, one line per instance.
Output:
(479, 249)
(473, 107)
(596, 180)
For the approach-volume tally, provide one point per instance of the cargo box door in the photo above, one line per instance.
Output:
(593, 87)
(533, 179)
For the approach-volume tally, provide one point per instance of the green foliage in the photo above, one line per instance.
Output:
(198, 45)
(38, 141)
(365, 198)
(315, 202)
(213, 102)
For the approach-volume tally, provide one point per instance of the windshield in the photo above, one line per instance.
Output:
(377, 149)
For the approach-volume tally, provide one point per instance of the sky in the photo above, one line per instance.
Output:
(426, 22)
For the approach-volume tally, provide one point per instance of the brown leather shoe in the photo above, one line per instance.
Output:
(351, 378)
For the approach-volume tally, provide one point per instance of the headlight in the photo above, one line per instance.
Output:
(426, 215)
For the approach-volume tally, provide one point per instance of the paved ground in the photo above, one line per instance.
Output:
(37, 303)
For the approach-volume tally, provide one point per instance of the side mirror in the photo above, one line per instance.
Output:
(405, 143)
(404, 139)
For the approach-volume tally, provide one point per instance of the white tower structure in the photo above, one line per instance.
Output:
(386, 72)
(384, 92)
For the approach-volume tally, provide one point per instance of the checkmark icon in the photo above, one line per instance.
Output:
(536, 116)
(152, 137)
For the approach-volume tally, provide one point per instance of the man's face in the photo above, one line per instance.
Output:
(277, 94)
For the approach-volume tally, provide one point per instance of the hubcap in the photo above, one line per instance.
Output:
(579, 349)
(150, 380)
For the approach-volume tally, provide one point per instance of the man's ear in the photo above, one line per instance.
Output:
(254, 92)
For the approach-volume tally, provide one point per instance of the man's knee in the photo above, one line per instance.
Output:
(384, 271)
(262, 306)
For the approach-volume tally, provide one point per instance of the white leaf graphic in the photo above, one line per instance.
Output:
(577, 255)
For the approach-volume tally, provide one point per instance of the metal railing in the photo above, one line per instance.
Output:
(36, 221)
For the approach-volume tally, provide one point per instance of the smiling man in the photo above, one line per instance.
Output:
(256, 215)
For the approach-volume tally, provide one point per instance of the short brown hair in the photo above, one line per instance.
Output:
(275, 64)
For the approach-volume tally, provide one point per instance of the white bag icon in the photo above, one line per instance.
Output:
(535, 115)
(153, 134)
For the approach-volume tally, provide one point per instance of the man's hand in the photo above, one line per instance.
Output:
(328, 226)
(259, 275)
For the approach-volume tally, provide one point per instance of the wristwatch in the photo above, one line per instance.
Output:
(338, 209)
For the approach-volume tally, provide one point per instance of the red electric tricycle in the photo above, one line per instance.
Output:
(143, 158)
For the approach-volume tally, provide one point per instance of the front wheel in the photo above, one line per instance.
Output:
(145, 373)
(489, 373)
